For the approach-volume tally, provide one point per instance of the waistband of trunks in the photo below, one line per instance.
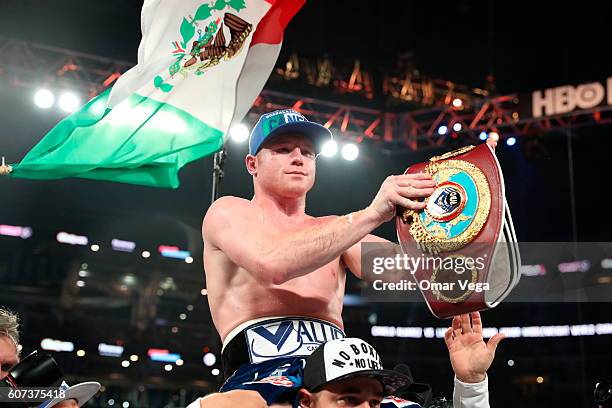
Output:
(269, 338)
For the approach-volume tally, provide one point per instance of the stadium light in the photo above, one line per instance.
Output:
(44, 98)
(209, 359)
(330, 149)
(69, 102)
(350, 151)
(239, 133)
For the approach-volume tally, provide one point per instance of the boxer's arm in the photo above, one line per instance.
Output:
(352, 257)
(471, 395)
(232, 225)
(470, 358)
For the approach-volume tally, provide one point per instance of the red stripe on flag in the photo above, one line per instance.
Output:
(271, 27)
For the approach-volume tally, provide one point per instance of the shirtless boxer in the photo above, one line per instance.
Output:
(275, 275)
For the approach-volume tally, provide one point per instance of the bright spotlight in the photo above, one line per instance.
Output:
(483, 136)
(215, 371)
(457, 103)
(511, 141)
(350, 151)
(80, 353)
(188, 260)
(442, 130)
(80, 283)
(168, 367)
(95, 247)
(179, 362)
(330, 149)
(494, 136)
(125, 364)
(134, 357)
(457, 127)
(69, 102)
(146, 254)
(44, 99)
(209, 359)
(239, 133)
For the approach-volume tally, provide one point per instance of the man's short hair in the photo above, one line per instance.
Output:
(9, 326)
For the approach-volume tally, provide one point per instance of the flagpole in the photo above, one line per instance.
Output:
(218, 161)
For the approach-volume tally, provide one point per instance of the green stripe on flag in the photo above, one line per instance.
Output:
(140, 141)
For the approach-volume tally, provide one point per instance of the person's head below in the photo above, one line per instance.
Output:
(75, 396)
(9, 341)
(69, 403)
(347, 373)
(282, 150)
(353, 392)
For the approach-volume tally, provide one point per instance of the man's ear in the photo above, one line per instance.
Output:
(251, 164)
(305, 398)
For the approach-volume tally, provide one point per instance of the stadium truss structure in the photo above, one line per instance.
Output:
(34, 65)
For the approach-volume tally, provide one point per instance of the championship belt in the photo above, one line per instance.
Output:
(464, 237)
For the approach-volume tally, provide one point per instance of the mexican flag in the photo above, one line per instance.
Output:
(201, 64)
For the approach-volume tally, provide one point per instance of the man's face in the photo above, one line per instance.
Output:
(285, 165)
(8, 356)
(354, 393)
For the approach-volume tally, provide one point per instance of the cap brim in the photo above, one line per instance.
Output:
(316, 132)
(80, 392)
(391, 380)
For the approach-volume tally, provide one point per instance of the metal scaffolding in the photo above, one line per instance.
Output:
(33, 65)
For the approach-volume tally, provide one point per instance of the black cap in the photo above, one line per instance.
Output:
(349, 358)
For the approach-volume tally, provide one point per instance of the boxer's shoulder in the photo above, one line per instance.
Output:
(231, 202)
(227, 211)
(230, 206)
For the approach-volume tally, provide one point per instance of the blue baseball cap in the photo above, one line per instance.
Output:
(284, 121)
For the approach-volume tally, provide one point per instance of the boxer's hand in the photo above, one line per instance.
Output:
(470, 356)
(400, 190)
(492, 140)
